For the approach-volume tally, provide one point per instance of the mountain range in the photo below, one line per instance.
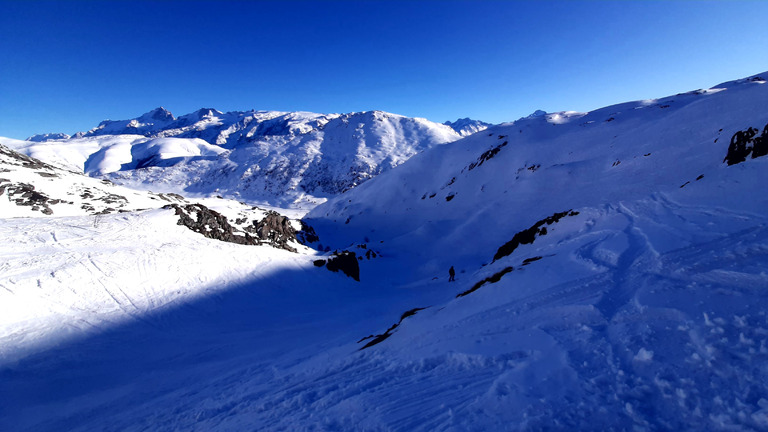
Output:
(610, 272)
(279, 158)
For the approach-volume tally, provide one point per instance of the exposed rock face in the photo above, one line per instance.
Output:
(24, 194)
(486, 156)
(379, 338)
(527, 236)
(307, 234)
(209, 223)
(491, 279)
(746, 142)
(276, 230)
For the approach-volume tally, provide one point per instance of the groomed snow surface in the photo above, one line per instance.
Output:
(642, 306)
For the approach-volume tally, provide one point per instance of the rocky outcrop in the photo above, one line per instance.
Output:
(276, 230)
(487, 155)
(24, 194)
(746, 142)
(209, 223)
(379, 338)
(527, 236)
(491, 279)
(307, 234)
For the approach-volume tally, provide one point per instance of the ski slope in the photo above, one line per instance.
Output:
(611, 275)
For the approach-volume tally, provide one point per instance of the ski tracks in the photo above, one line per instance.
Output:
(634, 263)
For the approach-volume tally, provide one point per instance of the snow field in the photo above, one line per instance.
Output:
(643, 308)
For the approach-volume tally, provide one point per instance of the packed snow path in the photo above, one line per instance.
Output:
(616, 326)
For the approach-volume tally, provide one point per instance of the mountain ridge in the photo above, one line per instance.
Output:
(278, 158)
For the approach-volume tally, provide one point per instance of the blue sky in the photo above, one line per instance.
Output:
(65, 66)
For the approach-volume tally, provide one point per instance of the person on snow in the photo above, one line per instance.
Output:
(451, 274)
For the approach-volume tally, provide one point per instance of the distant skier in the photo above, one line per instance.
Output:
(451, 274)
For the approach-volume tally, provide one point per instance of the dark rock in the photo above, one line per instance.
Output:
(760, 146)
(487, 155)
(209, 223)
(318, 263)
(491, 279)
(24, 194)
(530, 260)
(111, 198)
(528, 236)
(346, 262)
(276, 230)
(377, 339)
(746, 142)
(171, 197)
(307, 234)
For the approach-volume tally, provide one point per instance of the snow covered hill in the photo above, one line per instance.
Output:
(611, 275)
(611, 266)
(31, 188)
(289, 159)
(495, 183)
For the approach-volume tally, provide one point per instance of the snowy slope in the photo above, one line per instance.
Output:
(610, 276)
(60, 220)
(296, 159)
(495, 183)
(103, 155)
(29, 188)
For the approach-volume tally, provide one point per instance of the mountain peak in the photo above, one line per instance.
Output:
(537, 113)
(467, 126)
(207, 112)
(158, 114)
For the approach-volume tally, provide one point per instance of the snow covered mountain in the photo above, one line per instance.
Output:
(279, 158)
(48, 137)
(31, 188)
(466, 126)
(611, 265)
(610, 275)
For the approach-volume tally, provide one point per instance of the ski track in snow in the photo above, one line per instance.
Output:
(597, 352)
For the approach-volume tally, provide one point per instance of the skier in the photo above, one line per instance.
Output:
(451, 274)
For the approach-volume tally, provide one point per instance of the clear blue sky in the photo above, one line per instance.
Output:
(65, 66)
